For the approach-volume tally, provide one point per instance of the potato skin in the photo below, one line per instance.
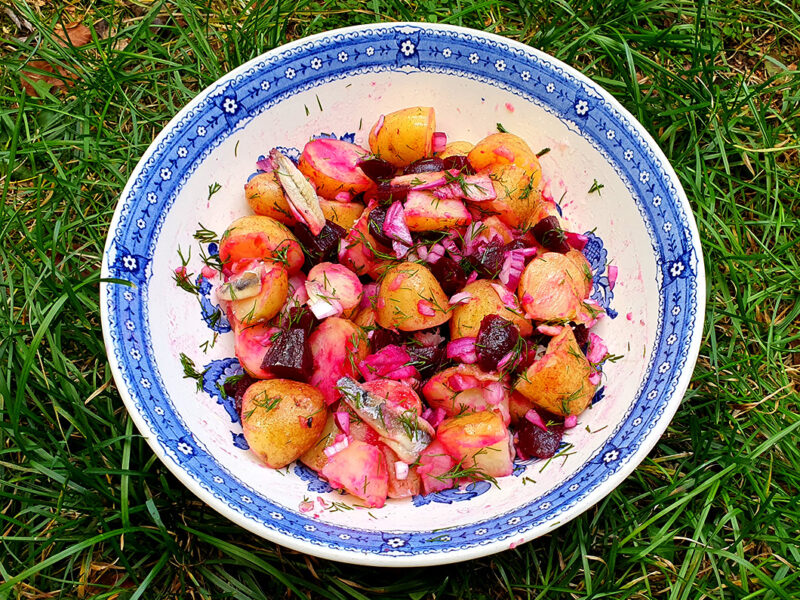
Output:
(559, 381)
(467, 317)
(257, 236)
(404, 136)
(457, 148)
(315, 457)
(269, 301)
(402, 289)
(265, 196)
(344, 214)
(505, 149)
(282, 419)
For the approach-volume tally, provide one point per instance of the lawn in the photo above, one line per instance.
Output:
(87, 511)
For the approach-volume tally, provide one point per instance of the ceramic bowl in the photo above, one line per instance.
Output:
(339, 83)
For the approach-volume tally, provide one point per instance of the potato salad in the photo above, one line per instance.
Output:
(411, 315)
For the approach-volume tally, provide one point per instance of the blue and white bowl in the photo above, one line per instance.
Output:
(339, 83)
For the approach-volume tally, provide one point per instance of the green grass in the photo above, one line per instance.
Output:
(87, 511)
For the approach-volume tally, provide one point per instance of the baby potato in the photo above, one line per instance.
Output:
(410, 298)
(404, 136)
(265, 196)
(426, 212)
(282, 419)
(344, 214)
(260, 237)
(553, 286)
(505, 149)
(357, 250)
(485, 300)
(315, 457)
(518, 199)
(458, 148)
(332, 166)
(559, 381)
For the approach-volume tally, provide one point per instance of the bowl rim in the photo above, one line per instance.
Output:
(421, 559)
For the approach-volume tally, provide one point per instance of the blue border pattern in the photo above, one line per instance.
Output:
(228, 106)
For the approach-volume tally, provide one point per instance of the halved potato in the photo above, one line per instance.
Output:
(282, 419)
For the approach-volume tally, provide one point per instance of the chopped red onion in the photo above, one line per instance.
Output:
(460, 298)
(424, 307)
(422, 252)
(503, 362)
(451, 247)
(597, 349)
(476, 188)
(343, 421)
(527, 252)
(613, 271)
(368, 295)
(343, 196)
(472, 277)
(570, 421)
(319, 301)
(265, 164)
(435, 253)
(504, 152)
(400, 470)
(463, 349)
(551, 330)
(576, 240)
(378, 125)
(342, 442)
(439, 141)
(434, 417)
(511, 271)
(207, 272)
(459, 382)
(594, 378)
(394, 225)
(507, 297)
(429, 338)
(390, 362)
(400, 249)
(536, 419)
(494, 393)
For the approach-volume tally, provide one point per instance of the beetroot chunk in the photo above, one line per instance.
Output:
(533, 442)
(460, 163)
(289, 356)
(323, 246)
(424, 165)
(427, 359)
(235, 389)
(449, 274)
(496, 338)
(549, 234)
(490, 261)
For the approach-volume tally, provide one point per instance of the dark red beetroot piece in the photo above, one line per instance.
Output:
(384, 337)
(496, 338)
(449, 274)
(427, 359)
(323, 246)
(533, 442)
(377, 169)
(489, 262)
(299, 317)
(581, 334)
(386, 193)
(549, 234)
(289, 356)
(459, 162)
(235, 387)
(377, 216)
(424, 165)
